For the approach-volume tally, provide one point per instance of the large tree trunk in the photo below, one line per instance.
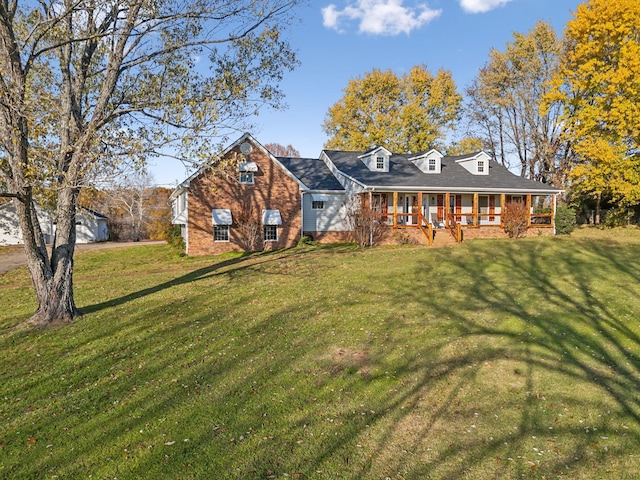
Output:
(52, 277)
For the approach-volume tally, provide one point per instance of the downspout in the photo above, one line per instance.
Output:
(553, 218)
(186, 223)
(371, 227)
(302, 214)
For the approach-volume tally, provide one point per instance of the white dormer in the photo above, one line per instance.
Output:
(477, 164)
(376, 159)
(429, 162)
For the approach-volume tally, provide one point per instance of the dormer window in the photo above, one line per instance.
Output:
(376, 159)
(475, 164)
(428, 162)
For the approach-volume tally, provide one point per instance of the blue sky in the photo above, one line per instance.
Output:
(338, 40)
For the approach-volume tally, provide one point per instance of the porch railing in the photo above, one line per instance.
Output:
(477, 220)
(454, 227)
(428, 231)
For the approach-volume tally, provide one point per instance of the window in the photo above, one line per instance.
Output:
(270, 221)
(246, 177)
(270, 233)
(380, 163)
(480, 166)
(432, 164)
(317, 204)
(221, 233)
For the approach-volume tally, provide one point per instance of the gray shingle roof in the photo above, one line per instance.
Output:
(404, 174)
(312, 172)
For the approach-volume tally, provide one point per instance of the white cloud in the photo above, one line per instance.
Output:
(481, 6)
(379, 17)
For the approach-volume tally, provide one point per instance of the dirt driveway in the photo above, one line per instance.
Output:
(16, 258)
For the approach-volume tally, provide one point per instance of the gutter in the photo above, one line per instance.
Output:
(392, 188)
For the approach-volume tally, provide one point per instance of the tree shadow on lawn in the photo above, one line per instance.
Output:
(427, 413)
(560, 326)
(231, 266)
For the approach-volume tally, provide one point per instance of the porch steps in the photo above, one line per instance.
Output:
(443, 238)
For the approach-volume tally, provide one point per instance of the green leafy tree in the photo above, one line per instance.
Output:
(505, 100)
(598, 86)
(410, 113)
(85, 85)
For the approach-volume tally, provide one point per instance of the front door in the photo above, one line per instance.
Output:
(440, 208)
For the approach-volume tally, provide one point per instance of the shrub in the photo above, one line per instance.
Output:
(364, 222)
(617, 217)
(565, 220)
(250, 229)
(515, 219)
(174, 238)
(305, 240)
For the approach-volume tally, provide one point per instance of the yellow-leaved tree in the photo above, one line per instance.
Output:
(410, 113)
(598, 86)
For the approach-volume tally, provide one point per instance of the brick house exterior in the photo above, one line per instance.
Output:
(249, 200)
(251, 185)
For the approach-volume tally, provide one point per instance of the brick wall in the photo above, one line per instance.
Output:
(498, 232)
(331, 237)
(273, 189)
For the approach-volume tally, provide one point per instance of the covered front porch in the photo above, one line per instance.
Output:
(456, 212)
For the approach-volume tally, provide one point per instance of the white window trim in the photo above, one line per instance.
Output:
(264, 232)
(223, 227)
(246, 182)
(317, 204)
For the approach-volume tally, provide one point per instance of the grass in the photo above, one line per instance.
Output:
(5, 249)
(493, 359)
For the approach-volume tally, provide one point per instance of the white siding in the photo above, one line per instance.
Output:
(89, 228)
(10, 233)
(351, 187)
(179, 212)
(332, 218)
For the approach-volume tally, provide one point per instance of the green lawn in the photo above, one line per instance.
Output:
(493, 359)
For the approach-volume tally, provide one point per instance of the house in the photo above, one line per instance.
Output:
(90, 226)
(248, 199)
(466, 194)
